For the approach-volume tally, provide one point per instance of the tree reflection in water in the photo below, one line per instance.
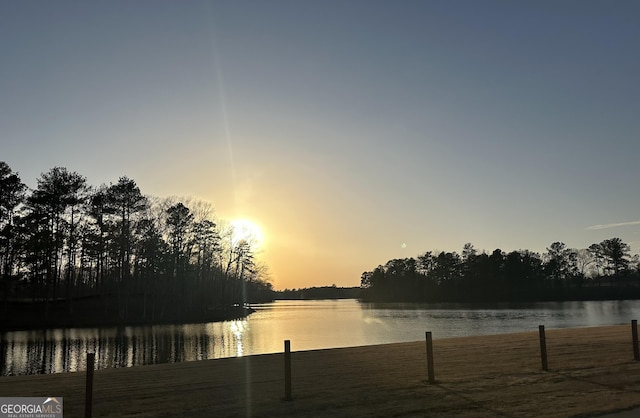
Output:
(65, 350)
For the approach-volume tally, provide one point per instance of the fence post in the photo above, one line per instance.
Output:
(88, 400)
(543, 348)
(430, 370)
(2, 354)
(634, 335)
(287, 370)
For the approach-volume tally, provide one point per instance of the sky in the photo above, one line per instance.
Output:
(352, 132)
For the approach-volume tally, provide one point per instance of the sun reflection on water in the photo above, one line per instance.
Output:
(238, 328)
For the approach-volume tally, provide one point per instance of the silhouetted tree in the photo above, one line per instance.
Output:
(51, 226)
(468, 252)
(150, 262)
(616, 255)
(124, 202)
(561, 261)
(97, 237)
(12, 192)
(179, 221)
(584, 262)
(206, 244)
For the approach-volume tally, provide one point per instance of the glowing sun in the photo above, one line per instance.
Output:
(246, 230)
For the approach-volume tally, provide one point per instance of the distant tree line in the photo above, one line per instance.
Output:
(70, 252)
(321, 292)
(603, 271)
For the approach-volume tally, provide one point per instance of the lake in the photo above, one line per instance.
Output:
(307, 324)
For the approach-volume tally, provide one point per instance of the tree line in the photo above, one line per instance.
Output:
(318, 293)
(605, 270)
(74, 253)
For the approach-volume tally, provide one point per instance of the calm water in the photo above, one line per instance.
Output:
(308, 324)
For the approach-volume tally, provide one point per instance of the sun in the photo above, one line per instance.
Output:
(243, 229)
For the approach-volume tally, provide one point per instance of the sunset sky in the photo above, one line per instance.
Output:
(352, 132)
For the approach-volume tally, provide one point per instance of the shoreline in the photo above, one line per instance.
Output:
(24, 318)
(591, 372)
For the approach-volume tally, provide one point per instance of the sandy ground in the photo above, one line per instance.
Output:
(591, 373)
